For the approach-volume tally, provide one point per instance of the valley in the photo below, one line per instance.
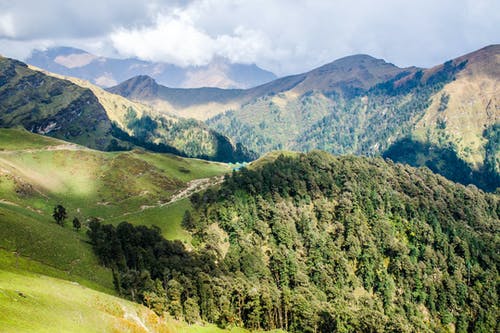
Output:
(359, 105)
(356, 197)
(42, 263)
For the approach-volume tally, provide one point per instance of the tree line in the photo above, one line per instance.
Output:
(317, 243)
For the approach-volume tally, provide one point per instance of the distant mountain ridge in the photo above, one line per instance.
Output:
(344, 76)
(107, 72)
(77, 111)
(359, 105)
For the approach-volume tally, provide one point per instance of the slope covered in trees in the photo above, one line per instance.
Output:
(316, 243)
(79, 112)
(450, 107)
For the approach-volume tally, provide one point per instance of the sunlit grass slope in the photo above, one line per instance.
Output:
(37, 173)
(50, 279)
(31, 302)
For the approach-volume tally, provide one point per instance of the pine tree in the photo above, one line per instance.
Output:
(59, 214)
(77, 224)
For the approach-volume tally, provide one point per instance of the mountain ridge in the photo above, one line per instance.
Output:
(363, 105)
(335, 77)
(107, 72)
(78, 111)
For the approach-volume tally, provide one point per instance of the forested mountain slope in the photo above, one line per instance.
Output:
(317, 243)
(445, 117)
(85, 114)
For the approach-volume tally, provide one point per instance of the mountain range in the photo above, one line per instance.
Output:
(77, 111)
(445, 117)
(107, 226)
(106, 72)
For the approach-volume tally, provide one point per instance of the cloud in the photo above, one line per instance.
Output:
(171, 39)
(175, 39)
(281, 35)
(7, 25)
(295, 36)
(51, 19)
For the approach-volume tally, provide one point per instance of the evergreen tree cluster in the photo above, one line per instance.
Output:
(379, 121)
(316, 243)
(183, 137)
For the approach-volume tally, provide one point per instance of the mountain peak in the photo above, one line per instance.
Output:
(144, 87)
(482, 62)
(53, 52)
(349, 74)
(107, 72)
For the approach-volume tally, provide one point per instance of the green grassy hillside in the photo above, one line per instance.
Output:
(50, 279)
(318, 243)
(37, 173)
(32, 302)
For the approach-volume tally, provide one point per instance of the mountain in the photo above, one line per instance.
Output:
(80, 112)
(342, 76)
(445, 117)
(348, 74)
(197, 103)
(47, 105)
(50, 279)
(107, 72)
(317, 243)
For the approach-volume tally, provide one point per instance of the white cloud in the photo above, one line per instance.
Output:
(174, 38)
(171, 39)
(281, 35)
(7, 25)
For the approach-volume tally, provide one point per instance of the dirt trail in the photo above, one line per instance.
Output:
(194, 186)
(6, 202)
(67, 146)
(132, 316)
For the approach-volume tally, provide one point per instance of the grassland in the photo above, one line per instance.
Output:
(37, 173)
(167, 217)
(50, 279)
(54, 251)
(31, 302)
(87, 182)
(18, 139)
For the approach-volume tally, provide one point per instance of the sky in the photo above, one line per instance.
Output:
(284, 36)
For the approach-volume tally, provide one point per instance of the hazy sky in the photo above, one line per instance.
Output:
(285, 36)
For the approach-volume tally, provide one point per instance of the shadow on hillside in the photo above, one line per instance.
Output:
(443, 161)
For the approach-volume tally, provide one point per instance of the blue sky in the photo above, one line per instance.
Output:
(284, 36)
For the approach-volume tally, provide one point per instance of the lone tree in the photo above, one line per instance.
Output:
(77, 224)
(59, 214)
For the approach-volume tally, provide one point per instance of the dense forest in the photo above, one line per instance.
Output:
(317, 243)
(379, 121)
(183, 137)
(363, 122)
